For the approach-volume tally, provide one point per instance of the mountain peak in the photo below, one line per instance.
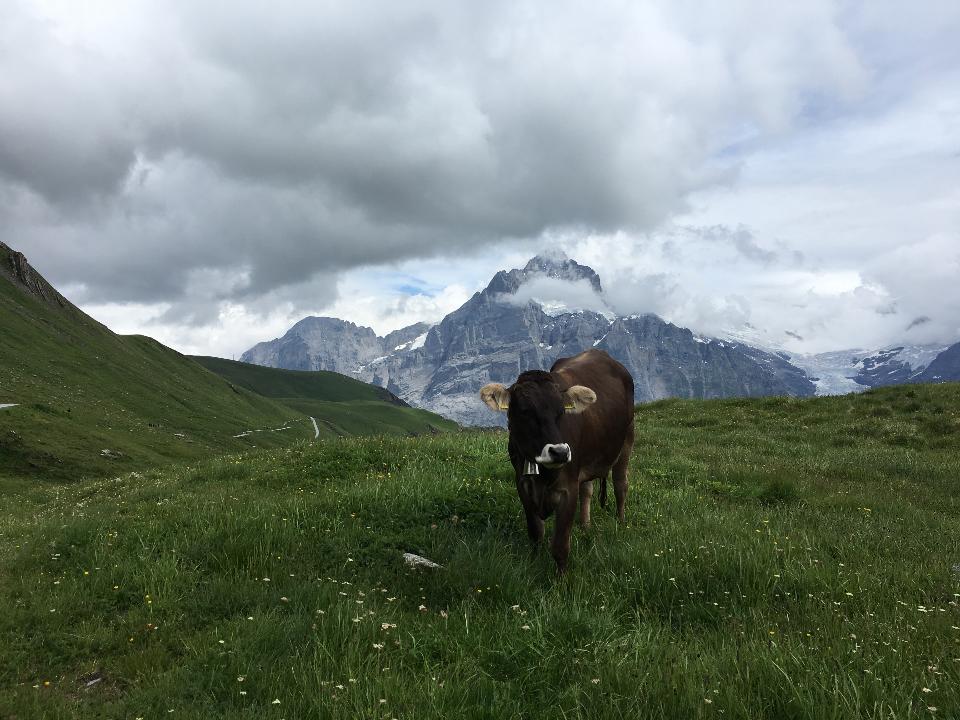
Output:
(552, 265)
(546, 258)
(323, 321)
(556, 264)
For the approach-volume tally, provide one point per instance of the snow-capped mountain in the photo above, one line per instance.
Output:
(855, 370)
(838, 372)
(527, 318)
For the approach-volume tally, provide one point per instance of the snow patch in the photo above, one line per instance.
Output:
(416, 343)
(834, 371)
(919, 356)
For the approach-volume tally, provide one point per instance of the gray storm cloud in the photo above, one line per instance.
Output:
(176, 152)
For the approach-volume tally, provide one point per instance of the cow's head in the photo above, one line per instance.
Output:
(534, 405)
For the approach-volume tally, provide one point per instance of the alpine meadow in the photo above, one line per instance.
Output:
(781, 558)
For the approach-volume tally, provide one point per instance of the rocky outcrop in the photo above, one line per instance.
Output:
(494, 336)
(14, 266)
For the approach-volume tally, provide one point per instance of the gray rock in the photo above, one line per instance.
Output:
(319, 343)
(419, 561)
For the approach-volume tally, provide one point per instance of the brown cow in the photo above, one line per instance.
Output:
(568, 427)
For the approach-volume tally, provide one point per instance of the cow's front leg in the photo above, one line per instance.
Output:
(534, 522)
(563, 526)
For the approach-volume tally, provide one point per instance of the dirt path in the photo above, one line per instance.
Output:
(6, 405)
(316, 430)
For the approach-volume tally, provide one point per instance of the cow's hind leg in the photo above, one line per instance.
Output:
(586, 493)
(620, 475)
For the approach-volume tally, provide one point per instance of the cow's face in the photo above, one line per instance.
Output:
(534, 406)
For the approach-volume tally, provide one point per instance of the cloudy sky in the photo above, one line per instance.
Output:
(207, 173)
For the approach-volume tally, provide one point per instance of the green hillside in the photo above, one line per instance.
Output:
(782, 559)
(82, 390)
(277, 383)
(340, 404)
(93, 403)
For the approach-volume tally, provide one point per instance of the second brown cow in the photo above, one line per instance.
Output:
(568, 427)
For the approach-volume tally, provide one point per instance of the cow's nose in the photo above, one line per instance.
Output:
(559, 453)
(553, 456)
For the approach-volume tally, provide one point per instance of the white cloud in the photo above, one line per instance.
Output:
(556, 295)
(233, 330)
(366, 304)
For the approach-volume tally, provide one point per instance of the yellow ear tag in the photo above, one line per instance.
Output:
(568, 406)
(503, 407)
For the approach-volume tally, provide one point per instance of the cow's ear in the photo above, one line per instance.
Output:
(578, 398)
(496, 396)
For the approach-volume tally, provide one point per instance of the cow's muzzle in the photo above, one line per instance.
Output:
(554, 455)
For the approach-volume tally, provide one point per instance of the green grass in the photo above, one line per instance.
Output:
(341, 405)
(782, 559)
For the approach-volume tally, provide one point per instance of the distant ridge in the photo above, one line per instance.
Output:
(844, 371)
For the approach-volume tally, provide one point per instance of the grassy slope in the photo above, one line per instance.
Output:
(83, 389)
(277, 383)
(342, 405)
(782, 559)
